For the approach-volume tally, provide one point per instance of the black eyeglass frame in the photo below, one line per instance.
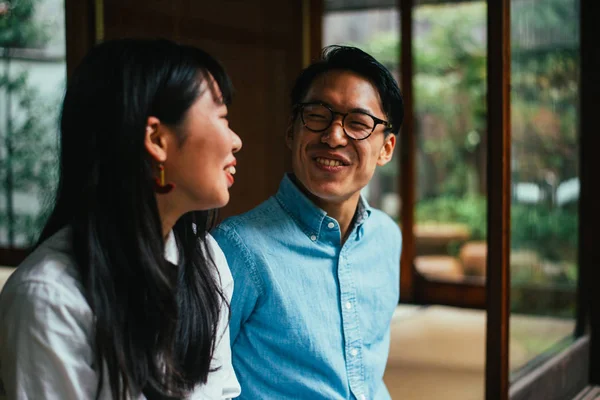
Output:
(376, 121)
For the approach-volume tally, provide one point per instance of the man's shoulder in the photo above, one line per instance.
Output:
(252, 219)
(383, 221)
(383, 229)
(244, 237)
(259, 224)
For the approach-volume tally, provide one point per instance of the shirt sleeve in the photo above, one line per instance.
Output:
(222, 382)
(45, 350)
(231, 386)
(248, 284)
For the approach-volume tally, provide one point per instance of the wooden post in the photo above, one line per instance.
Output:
(498, 218)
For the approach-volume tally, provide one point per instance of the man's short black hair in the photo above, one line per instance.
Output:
(353, 59)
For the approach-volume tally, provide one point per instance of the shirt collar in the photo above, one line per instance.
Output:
(308, 216)
(363, 211)
(171, 251)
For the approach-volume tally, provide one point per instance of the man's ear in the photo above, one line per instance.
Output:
(155, 139)
(387, 150)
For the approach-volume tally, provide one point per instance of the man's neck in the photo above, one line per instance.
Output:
(343, 212)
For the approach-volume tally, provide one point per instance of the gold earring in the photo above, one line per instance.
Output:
(159, 183)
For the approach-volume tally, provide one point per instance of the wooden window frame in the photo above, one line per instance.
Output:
(497, 378)
(416, 288)
(567, 373)
(588, 309)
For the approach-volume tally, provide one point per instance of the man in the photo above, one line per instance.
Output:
(316, 270)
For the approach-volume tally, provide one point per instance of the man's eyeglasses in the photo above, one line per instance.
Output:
(318, 117)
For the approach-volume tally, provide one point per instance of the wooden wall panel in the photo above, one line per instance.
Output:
(260, 44)
(80, 30)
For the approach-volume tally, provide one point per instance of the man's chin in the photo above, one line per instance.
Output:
(330, 192)
(322, 190)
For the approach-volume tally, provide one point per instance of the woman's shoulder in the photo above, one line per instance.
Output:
(48, 274)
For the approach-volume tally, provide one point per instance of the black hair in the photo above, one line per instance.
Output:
(349, 58)
(155, 322)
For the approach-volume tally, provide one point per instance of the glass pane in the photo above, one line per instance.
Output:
(32, 70)
(545, 178)
(377, 32)
(450, 53)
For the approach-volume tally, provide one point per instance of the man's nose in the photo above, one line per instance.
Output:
(335, 136)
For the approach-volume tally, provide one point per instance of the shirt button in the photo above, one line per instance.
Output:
(363, 397)
(313, 238)
(331, 225)
(348, 305)
(353, 352)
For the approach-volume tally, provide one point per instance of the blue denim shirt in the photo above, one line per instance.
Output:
(310, 318)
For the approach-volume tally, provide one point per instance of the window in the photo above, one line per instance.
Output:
(545, 178)
(450, 53)
(33, 77)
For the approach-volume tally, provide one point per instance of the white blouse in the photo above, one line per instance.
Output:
(47, 330)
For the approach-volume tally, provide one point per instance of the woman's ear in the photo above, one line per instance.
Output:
(155, 139)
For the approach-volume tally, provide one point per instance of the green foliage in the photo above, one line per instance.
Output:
(544, 283)
(450, 58)
(536, 19)
(544, 114)
(470, 211)
(27, 135)
(551, 232)
(385, 47)
(18, 28)
(545, 90)
(450, 72)
(34, 148)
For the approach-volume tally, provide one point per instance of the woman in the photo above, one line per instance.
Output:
(126, 294)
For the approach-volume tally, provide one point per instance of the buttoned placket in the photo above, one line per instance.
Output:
(350, 323)
(328, 230)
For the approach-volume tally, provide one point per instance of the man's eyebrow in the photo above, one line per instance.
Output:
(316, 100)
(355, 109)
(361, 110)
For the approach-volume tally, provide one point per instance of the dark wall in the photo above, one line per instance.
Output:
(260, 43)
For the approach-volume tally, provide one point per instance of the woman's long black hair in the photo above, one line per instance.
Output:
(155, 322)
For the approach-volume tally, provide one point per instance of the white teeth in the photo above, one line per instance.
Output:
(328, 162)
(231, 170)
